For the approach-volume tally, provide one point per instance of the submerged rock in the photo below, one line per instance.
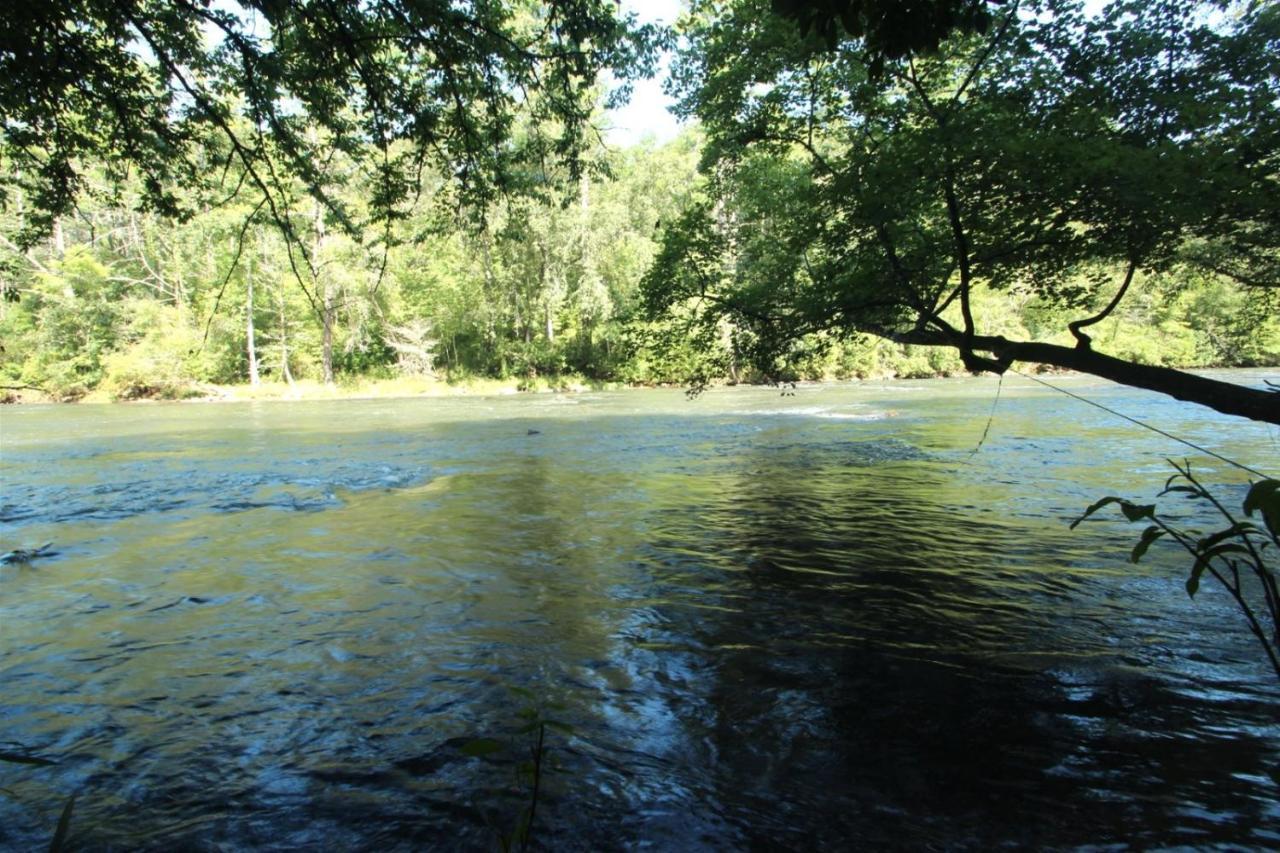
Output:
(26, 555)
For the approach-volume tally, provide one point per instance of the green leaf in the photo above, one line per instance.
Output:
(1264, 496)
(1151, 534)
(481, 747)
(64, 827)
(559, 726)
(19, 758)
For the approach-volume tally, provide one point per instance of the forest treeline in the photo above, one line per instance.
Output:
(540, 289)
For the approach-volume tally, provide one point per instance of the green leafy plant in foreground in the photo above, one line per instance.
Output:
(533, 723)
(1236, 556)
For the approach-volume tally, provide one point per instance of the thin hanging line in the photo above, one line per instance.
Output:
(1154, 429)
(991, 417)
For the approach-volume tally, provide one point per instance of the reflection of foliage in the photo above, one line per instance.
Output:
(1235, 556)
(529, 772)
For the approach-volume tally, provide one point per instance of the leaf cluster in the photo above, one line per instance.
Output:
(891, 29)
(1232, 555)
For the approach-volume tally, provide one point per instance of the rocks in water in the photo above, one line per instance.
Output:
(26, 555)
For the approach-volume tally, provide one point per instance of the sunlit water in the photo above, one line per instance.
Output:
(806, 621)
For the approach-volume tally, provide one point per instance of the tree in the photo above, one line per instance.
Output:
(1058, 153)
(402, 85)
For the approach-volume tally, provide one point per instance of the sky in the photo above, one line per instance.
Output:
(646, 114)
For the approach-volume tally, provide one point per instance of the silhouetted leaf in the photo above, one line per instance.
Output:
(1149, 535)
(1131, 510)
(1239, 530)
(1094, 507)
(1135, 512)
(1203, 561)
(64, 827)
(1264, 496)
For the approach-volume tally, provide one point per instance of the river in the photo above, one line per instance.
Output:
(802, 620)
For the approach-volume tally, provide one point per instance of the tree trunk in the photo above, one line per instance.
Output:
(548, 326)
(326, 344)
(248, 320)
(284, 342)
(326, 298)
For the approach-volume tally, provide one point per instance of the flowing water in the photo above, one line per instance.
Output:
(805, 621)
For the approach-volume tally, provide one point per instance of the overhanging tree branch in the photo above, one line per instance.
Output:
(1225, 397)
(1083, 340)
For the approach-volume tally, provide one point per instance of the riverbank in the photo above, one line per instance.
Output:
(309, 389)
(360, 388)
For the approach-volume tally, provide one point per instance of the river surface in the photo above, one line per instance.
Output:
(816, 620)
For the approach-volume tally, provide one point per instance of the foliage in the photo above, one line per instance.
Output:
(1236, 556)
(1061, 155)
(182, 92)
(137, 305)
(891, 29)
(533, 723)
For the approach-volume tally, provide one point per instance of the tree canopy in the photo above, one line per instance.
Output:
(889, 29)
(1057, 153)
(269, 89)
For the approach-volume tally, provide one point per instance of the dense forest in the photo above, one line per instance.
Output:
(198, 236)
(541, 292)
